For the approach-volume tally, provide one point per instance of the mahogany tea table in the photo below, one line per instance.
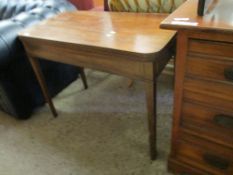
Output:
(126, 44)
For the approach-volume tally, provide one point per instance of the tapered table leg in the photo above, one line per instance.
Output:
(83, 77)
(36, 67)
(151, 108)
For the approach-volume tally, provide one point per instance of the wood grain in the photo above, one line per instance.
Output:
(130, 45)
(218, 17)
(35, 65)
(200, 119)
(128, 33)
(203, 106)
(196, 150)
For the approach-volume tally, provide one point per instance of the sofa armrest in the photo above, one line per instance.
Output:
(10, 47)
(4, 54)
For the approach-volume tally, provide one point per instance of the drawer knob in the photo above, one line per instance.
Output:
(228, 73)
(224, 120)
(216, 162)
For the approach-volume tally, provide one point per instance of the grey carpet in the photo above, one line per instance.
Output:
(99, 131)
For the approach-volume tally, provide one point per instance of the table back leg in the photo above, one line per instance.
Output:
(83, 78)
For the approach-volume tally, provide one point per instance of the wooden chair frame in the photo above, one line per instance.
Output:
(106, 8)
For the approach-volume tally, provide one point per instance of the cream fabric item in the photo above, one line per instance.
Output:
(156, 6)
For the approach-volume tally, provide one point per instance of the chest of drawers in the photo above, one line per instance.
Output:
(202, 134)
(203, 113)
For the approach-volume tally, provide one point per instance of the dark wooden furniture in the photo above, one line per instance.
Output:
(202, 136)
(127, 44)
(106, 8)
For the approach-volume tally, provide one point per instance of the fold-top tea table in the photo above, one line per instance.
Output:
(127, 44)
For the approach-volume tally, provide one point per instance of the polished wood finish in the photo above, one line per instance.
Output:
(217, 18)
(203, 155)
(127, 44)
(151, 107)
(124, 33)
(202, 134)
(40, 77)
(83, 77)
(106, 7)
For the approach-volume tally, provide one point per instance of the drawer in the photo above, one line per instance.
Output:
(221, 49)
(209, 92)
(209, 100)
(207, 67)
(207, 156)
(209, 123)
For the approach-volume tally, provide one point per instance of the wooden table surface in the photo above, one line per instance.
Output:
(126, 32)
(127, 44)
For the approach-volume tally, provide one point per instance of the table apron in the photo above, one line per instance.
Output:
(107, 62)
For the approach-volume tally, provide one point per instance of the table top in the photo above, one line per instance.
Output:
(130, 32)
(218, 17)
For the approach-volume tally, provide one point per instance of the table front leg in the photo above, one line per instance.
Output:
(40, 77)
(151, 109)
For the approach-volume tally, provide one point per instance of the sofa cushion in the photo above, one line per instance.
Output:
(10, 8)
(25, 19)
(154, 6)
(43, 13)
(59, 5)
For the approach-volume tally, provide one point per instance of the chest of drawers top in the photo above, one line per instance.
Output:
(218, 17)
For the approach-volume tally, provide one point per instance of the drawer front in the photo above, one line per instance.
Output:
(209, 123)
(207, 156)
(220, 91)
(210, 101)
(206, 47)
(206, 67)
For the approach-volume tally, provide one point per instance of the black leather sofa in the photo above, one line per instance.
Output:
(19, 89)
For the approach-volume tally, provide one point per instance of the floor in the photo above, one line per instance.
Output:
(99, 131)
